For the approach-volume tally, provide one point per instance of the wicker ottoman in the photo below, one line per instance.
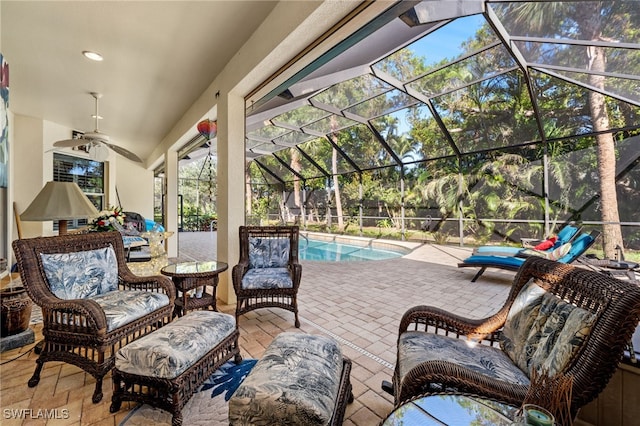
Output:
(166, 367)
(302, 379)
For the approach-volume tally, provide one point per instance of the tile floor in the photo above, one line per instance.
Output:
(358, 303)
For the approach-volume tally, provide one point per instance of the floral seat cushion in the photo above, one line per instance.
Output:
(169, 351)
(265, 278)
(296, 382)
(124, 306)
(416, 347)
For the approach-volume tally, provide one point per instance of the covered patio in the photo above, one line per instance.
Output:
(331, 303)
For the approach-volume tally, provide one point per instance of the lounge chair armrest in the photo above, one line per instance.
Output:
(438, 320)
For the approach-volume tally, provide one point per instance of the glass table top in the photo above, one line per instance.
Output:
(458, 410)
(211, 266)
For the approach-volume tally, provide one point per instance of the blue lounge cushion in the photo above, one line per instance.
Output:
(498, 250)
(505, 261)
(565, 235)
(578, 247)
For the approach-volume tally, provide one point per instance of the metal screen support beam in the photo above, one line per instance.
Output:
(545, 182)
(360, 195)
(402, 203)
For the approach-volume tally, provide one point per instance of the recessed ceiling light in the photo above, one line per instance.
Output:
(94, 56)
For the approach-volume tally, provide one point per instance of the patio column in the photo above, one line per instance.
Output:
(231, 187)
(171, 201)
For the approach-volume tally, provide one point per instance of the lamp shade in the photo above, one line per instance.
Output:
(59, 201)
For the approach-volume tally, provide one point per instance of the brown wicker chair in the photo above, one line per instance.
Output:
(76, 330)
(615, 304)
(259, 285)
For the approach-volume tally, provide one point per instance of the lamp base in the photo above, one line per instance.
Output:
(62, 227)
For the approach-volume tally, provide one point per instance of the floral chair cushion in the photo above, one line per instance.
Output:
(556, 335)
(296, 382)
(169, 351)
(265, 278)
(416, 347)
(124, 306)
(268, 252)
(81, 274)
(542, 331)
(520, 318)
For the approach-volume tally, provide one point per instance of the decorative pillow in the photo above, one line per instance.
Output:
(520, 319)
(81, 274)
(546, 244)
(557, 333)
(268, 252)
(568, 341)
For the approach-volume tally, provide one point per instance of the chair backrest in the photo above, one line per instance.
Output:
(269, 246)
(579, 246)
(136, 220)
(615, 306)
(565, 235)
(29, 257)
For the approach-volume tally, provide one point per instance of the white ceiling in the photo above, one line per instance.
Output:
(159, 57)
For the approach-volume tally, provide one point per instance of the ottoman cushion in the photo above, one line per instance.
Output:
(296, 382)
(170, 350)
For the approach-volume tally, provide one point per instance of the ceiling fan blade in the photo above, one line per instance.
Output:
(69, 143)
(124, 152)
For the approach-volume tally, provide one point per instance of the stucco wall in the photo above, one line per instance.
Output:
(134, 186)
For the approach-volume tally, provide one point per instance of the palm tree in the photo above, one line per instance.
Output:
(588, 20)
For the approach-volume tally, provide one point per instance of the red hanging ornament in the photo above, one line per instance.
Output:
(208, 128)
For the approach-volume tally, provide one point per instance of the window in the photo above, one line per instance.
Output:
(88, 174)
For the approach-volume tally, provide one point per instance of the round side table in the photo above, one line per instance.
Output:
(451, 409)
(188, 276)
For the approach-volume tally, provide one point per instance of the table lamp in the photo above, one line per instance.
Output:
(59, 201)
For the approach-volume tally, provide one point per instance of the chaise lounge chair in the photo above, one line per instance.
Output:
(565, 235)
(512, 263)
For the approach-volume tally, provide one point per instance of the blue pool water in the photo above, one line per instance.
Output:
(331, 251)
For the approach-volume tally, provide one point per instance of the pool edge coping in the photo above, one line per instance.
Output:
(402, 247)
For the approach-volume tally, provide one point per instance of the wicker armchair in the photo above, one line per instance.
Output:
(440, 351)
(91, 303)
(268, 273)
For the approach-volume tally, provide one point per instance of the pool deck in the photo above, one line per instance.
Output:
(358, 303)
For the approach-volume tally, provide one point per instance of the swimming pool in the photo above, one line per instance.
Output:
(334, 251)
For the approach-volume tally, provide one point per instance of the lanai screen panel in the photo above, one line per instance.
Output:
(569, 36)
(472, 93)
(494, 113)
(321, 152)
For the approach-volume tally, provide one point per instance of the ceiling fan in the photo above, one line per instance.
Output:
(97, 142)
